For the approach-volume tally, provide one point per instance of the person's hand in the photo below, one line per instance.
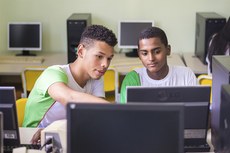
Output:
(36, 139)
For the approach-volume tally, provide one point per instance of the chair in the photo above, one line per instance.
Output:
(29, 77)
(20, 106)
(111, 84)
(205, 79)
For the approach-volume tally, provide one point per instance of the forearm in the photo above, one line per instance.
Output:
(63, 94)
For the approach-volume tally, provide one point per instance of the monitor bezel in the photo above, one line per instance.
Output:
(12, 48)
(128, 107)
(119, 32)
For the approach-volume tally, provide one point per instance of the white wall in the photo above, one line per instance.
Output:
(176, 17)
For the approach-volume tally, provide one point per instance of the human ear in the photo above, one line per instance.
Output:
(168, 50)
(80, 49)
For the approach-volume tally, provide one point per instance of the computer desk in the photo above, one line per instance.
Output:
(26, 135)
(194, 63)
(120, 62)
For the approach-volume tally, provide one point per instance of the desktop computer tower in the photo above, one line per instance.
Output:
(207, 23)
(220, 116)
(76, 24)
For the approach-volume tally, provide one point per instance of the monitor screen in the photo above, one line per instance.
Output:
(25, 36)
(128, 32)
(195, 98)
(219, 119)
(10, 121)
(119, 128)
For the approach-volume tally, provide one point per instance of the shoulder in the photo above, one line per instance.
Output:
(182, 70)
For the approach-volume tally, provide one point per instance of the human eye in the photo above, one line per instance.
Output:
(109, 59)
(144, 53)
(157, 51)
(99, 56)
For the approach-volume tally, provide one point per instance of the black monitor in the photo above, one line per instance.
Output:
(196, 100)
(119, 128)
(220, 76)
(25, 37)
(128, 32)
(10, 122)
(1, 132)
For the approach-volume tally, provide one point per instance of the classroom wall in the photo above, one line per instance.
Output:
(176, 17)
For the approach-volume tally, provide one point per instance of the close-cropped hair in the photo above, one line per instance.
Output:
(99, 33)
(153, 32)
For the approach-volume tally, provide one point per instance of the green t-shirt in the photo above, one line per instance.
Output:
(131, 79)
(39, 99)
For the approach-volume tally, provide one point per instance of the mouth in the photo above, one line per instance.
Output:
(152, 64)
(101, 72)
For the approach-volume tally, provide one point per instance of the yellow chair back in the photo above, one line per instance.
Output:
(205, 79)
(111, 84)
(29, 77)
(20, 106)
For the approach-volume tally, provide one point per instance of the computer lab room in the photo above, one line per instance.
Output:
(110, 76)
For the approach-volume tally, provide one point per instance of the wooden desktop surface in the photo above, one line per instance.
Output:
(27, 133)
(195, 64)
(50, 58)
(120, 62)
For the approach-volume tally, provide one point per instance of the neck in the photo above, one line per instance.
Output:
(161, 74)
(79, 74)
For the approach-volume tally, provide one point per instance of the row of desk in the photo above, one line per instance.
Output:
(120, 62)
(27, 133)
(10, 74)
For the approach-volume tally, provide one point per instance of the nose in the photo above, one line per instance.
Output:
(151, 56)
(105, 63)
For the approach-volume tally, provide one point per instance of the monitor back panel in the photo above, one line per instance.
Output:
(8, 107)
(131, 128)
(195, 98)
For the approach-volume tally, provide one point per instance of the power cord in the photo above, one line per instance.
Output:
(47, 143)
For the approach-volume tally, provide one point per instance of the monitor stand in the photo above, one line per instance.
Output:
(26, 53)
(133, 53)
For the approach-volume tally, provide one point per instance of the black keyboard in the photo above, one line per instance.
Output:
(200, 148)
(9, 149)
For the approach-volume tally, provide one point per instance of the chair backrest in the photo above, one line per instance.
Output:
(29, 77)
(205, 79)
(20, 106)
(111, 81)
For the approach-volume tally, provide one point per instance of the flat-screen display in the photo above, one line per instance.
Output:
(119, 128)
(10, 122)
(128, 32)
(25, 36)
(196, 100)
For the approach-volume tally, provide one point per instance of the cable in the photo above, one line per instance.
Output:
(48, 141)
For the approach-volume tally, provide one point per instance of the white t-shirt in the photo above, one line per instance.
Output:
(177, 76)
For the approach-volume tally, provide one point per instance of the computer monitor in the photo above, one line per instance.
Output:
(8, 108)
(128, 32)
(219, 119)
(131, 128)
(1, 132)
(196, 100)
(25, 36)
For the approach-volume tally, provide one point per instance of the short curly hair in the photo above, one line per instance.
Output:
(153, 32)
(100, 33)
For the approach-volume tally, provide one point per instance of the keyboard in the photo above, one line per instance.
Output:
(200, 148)
(9, 149)
(21, 59)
